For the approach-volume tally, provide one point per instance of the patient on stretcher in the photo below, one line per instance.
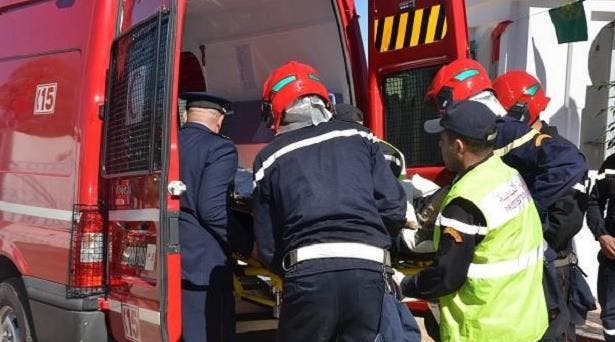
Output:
(414, 241)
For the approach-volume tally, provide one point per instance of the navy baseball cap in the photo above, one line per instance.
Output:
(207, 101)
(470, 119)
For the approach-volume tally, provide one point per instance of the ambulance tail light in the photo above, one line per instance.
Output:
(87, 253)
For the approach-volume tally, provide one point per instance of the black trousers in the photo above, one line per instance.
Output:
(208, 312)
(556, 286)
(342, 306)
(606, 296)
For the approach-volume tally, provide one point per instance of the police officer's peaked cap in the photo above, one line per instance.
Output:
(207, 101)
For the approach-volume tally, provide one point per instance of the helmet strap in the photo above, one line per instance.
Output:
(520, 112)
(444, 98)
(267, 113)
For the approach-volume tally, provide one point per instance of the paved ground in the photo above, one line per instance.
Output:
(590, 332)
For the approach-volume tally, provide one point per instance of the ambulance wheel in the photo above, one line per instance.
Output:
(14, 324)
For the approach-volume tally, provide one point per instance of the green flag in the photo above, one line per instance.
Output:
(569, 21)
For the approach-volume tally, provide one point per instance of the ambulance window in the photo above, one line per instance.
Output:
(137, 93)
(406, 111)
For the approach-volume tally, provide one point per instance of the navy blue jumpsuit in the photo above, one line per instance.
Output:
(322, 184)
(552, 167)
(208, 162)
(602, 197)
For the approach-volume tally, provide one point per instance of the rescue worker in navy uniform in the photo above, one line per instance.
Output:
(323, 203)
(522, 95)
(550, 167)
(602, 197)
(208, 162)
(488, 239)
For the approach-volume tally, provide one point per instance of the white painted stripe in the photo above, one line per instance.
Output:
(149, 316)
(258, 325)
(460, 226)
(605, 173)
(145, 315)
(131, 215)
(610, 332)
(505, 202)
(505, 268)
(258, 175)
(502, 151)
(115, 306)
(22, 209)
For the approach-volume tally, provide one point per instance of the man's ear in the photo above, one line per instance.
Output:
(460, 146)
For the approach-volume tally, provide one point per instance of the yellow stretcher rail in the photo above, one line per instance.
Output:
(255, 268)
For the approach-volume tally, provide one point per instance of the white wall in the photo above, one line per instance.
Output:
(530, 43)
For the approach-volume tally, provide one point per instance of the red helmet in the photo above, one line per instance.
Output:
(458, 80)
(521, 94)
(288, 83)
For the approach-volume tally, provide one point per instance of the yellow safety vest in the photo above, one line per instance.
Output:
(502, 298)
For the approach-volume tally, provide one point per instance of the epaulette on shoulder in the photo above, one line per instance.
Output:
(539, 139)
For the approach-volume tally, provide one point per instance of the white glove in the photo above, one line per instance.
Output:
(423, 186)
(398, 277)
(411, 240)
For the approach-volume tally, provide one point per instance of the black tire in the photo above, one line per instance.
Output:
(14, 323)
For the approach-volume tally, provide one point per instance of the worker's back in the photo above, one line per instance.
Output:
(327, 183)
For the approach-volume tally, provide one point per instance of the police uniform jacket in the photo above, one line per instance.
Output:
(208, 162)
(554, 170)
(602, 197)
(325, 183)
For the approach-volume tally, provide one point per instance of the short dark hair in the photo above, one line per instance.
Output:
(473, 145)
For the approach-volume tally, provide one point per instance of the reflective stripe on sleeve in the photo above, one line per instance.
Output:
(507, 267)
(580, 187)
(502, 151)
(605, 173)
(258, 175)
(460, 226)
(610, 332)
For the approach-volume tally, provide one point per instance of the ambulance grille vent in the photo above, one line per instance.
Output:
(137, 100)
(406, 111)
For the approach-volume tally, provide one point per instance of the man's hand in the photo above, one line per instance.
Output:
(607, 244)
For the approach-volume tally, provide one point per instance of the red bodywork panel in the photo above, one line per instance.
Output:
(356, 54)
(407, 35)
(51, 85)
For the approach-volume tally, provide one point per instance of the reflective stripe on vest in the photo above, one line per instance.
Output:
(508, 267)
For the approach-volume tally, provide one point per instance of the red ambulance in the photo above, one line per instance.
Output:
(89, 118)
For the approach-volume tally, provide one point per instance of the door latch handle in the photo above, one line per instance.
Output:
(176, 188)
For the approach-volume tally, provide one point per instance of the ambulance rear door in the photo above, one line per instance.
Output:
(139, 160)
(407, 43)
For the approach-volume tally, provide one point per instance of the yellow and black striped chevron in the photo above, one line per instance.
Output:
(410, 28)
